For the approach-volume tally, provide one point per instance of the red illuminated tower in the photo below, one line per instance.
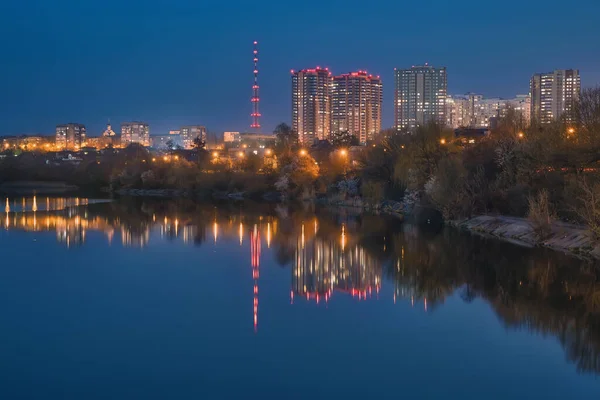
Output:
(255, 97)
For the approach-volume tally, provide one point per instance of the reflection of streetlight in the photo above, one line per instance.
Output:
(303, 152)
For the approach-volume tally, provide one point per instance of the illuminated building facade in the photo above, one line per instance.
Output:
(230, 137)
(554, 94)
(135, 132)
(356, 100)
(70, 136)
(109, 131)
(420, 96)
(475, 111)
(311, 108)
(190, 133)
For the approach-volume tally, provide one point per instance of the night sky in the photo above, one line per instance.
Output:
(178, 62)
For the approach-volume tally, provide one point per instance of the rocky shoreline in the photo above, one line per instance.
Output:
(567, 238)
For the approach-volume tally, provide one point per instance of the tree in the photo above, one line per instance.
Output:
(199, 143)
(287, 139)
(343, 139)
(587, 112)
(135, 151)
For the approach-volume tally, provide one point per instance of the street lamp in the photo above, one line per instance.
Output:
(241, 154)
(303, 152)
(571, 131)
(215, 154)
(343, 152)
(521, 135)
(442, 141)
(268, 152)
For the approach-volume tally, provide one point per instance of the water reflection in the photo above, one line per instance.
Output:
(332, 254)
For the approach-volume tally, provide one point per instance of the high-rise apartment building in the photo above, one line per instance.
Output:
(135, 132)
(70, 136)
(457, 111)
(356, 100)
(475, 111)
(420, 96)
(554, 94)
(311, 108)
(190, 133)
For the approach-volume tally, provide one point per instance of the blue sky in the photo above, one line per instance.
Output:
(179, 62)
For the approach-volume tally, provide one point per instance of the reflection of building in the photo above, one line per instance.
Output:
(70, 136)
(190, 133)
(311, 108)
(323, 266)
(135, 132)
(420, 96)
(356, 100)
(554, 94)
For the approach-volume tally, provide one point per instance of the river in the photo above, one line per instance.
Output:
(139, 298)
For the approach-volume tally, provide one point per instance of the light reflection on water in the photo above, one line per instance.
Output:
(335, 255)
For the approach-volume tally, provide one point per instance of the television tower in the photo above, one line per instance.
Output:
(255, 97)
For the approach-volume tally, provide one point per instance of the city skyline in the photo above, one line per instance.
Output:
(51, 71)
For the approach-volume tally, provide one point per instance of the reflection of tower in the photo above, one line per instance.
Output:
(255, 262)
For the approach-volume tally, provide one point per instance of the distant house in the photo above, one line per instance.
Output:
(471, 135)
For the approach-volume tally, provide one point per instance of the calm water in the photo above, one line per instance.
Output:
(147, 299)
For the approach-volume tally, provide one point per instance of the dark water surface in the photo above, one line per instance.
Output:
(176, 300)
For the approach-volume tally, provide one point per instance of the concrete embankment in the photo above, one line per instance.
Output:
(568, 238)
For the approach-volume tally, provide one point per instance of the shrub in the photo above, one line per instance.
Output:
(447, 189)
(588, 208)
(540, 215)
(373, 192)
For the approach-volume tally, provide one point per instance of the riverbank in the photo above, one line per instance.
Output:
(568, 238)
(389, 207)
(36, 187)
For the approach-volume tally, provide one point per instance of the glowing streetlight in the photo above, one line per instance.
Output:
(442, 141)
(215, 154)
(303, 152)
(521, 135)
(343, 152)
(268, 152)
(571, 131)
(241, 154)
(176, 157)
(165, 158)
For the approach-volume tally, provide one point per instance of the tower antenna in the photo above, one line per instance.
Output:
(255, 97)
